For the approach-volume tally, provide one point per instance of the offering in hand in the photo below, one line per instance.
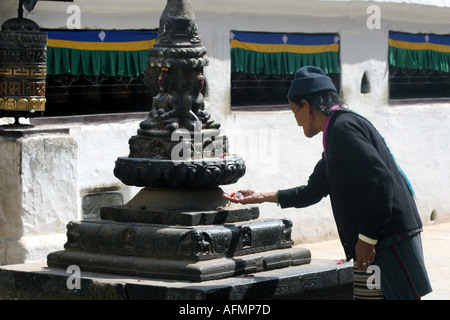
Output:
(236, 195)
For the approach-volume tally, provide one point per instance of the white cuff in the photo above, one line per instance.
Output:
(367, 239)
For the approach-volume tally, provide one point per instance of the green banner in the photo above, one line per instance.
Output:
(254, 62)
(283, 53)
(419, 51)
(92, 62)
(419, 59)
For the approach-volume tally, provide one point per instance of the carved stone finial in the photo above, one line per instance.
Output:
(179, 144)
(178, 43)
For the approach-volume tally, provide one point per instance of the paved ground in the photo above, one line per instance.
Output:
(436, 246)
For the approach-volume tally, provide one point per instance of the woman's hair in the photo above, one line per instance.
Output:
(322, 101)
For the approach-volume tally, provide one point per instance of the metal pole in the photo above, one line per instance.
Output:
(20, 10)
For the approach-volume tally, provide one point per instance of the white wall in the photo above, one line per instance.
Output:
(417, 134)
(38, 194)
(99, 145)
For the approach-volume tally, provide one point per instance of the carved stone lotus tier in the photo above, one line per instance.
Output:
(155, 160)
(203, 173)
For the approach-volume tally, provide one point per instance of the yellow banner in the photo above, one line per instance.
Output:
(106, 46)
(284, 47)
(419, 46)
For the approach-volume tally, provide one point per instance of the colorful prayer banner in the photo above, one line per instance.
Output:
(283, 53)
(99, 52)
(419, 51)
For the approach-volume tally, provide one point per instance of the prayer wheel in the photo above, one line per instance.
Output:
(23, 68)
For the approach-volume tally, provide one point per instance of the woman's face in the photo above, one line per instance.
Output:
(304, 117)
(301, 115)
(295, 108)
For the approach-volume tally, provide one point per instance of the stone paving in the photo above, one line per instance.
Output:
(436, 244)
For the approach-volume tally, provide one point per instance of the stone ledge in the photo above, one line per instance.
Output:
(180, 270)
(180, 207)
(20, 131)
(321, 279)
(223, 215)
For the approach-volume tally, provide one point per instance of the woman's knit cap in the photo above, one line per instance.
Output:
(309, 80)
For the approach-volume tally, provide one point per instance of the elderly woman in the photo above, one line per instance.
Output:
(372, 202)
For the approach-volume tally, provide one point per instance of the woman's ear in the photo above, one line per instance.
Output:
(305, 104)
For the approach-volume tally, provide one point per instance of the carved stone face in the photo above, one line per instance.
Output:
(198, 82)
(163, 81)
(201, 80)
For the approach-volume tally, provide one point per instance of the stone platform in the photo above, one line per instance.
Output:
(193, 235)
(197, 253)
(320, 279)
(181, 207)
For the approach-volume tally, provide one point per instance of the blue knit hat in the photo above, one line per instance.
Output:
(309, 80)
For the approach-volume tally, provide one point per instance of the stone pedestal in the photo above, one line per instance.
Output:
(318, 280)
(176, 252)
(35, 165)
(193, 235)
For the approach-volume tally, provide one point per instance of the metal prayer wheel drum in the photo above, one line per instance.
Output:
(23, 68)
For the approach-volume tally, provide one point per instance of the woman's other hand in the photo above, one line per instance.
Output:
(251, 197)
(365, 254)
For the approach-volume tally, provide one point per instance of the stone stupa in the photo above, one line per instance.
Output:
(179, 226)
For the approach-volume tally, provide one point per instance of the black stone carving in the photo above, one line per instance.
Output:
(179, 226)
(143, 172)
(175, 242)
(179, 217)
(178, 44)
(166, 151)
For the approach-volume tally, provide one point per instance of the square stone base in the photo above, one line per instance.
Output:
(321, 279)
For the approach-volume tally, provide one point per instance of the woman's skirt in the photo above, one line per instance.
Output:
(401, 271)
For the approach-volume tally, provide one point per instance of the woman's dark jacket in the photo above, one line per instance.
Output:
(368, 193)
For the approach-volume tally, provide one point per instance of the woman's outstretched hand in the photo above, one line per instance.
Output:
(251, 197)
